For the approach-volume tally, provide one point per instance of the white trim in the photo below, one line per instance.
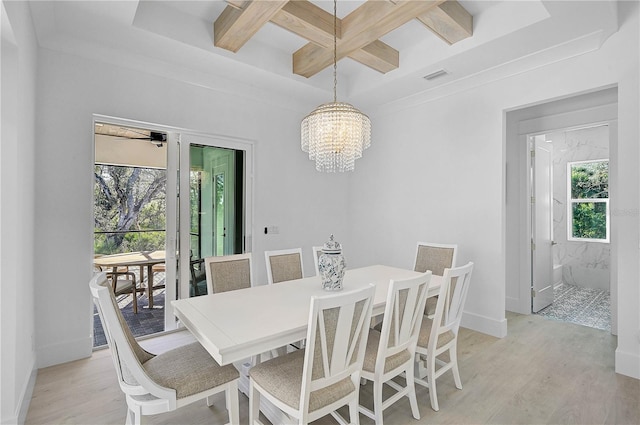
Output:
(627, 363)
(175, 135)
(485, 325)
(571, 201)
(245, 145)
(64, 351)
(26, 394)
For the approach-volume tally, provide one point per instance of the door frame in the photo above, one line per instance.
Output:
(597, 107)
(217, 141)
(175, 159)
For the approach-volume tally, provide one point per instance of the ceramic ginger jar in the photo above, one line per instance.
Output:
(332, 265)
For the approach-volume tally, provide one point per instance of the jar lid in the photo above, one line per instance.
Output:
(332, 247)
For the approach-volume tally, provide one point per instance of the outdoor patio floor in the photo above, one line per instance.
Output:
(146, 322)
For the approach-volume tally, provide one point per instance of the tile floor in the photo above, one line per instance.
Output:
(582, 306)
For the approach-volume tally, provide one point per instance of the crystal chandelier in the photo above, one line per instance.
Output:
(335, 134)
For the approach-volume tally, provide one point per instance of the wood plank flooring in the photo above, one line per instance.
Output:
(543, 372)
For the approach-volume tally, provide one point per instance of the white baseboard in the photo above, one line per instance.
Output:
(64, 352)
(27, 393)
(19, 416)
(486, 325)
(515, 305)
(628, 364)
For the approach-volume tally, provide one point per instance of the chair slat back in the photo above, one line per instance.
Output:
(336, 340)
(317, 252)
(449, 313)
(402, 317)
(127, 354)
(228, 272)
(284, 264)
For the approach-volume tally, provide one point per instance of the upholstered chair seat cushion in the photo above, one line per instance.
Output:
(282, 378)
(425, 332)
(189, 370)
(371, 354)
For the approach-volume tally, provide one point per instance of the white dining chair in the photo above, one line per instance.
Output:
(228, 272)
(391, 351)
(160, 383)
(311, 383)
(284, 265)
(435, 257)
(317, 252)
(440, 334)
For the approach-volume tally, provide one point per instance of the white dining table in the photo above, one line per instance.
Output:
(237, 325)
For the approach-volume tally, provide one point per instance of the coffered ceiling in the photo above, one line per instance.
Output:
(283, 50)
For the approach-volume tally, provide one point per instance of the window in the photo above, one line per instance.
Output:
(588, 201)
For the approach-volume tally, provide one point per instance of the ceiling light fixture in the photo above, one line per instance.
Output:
(335, 134)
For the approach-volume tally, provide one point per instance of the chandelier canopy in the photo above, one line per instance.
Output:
(335, 134)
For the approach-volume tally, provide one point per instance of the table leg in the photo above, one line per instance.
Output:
(114, 279)
(150, 284)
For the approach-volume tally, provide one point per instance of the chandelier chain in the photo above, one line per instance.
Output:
(335, 134)
(335, 54)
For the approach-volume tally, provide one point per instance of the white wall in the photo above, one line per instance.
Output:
(17, 358)
(436, 172)
(288, 192)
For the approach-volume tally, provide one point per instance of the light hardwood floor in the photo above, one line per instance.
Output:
(543, 372)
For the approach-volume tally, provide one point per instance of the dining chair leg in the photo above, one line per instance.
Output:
(254, 405)
(129, 419)
(232, 403)
(453, 358)
(411, 385)
(354, 412)
(431, 379)
(377, 401)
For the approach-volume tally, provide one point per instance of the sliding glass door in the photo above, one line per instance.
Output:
(166, 199)
(215, 218)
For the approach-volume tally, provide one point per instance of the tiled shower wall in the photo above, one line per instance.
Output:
(584, 264)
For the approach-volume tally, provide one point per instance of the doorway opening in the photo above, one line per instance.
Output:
(572, 256)
(216, 185)
(151, 244)
(130, 186)
(586, 111)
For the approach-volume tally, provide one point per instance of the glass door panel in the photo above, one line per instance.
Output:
(215, 212)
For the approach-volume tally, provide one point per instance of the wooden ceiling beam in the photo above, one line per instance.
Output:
(379, 56)
(449, 21)
(309, 21)
(235, 26)
(358, 33)
(316, 25)
(360, 28)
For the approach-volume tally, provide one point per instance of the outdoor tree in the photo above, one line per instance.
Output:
(129, 198)
(590, 181)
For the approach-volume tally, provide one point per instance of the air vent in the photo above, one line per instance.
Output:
(436, 74)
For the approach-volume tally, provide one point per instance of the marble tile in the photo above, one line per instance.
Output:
(582, 306)
(585, 263)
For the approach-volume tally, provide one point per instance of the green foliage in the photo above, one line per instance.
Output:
(129, 206)
(590, 180)
(590, 220)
